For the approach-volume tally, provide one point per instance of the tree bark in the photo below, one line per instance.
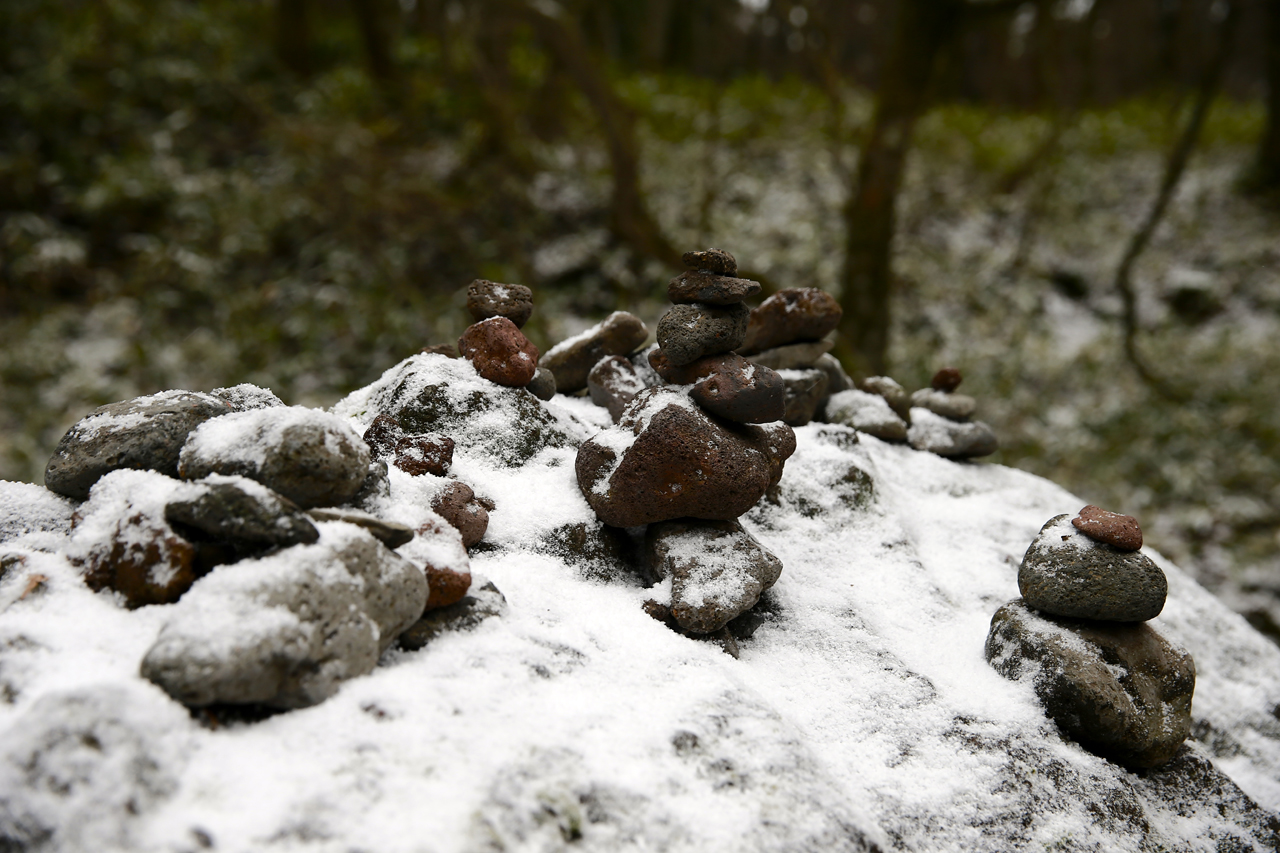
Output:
(1266, 166)
(293, 36)
(923, 28)
(374, 32)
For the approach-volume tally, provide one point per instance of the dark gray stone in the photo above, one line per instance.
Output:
(235, 509)
(543, 384)
(710, 288)
(1121, 691)
(464, 615)
(618, 334)
(788, 316)
(805, 391)
(711, 260)
(487, 299)
(688, 332)
(145, 433)
(393, 534)
(749, 394)
(792, 356)
(894, 394)
(945, 437)
(956, 407)
(717, 570)
(837, 379)
(1067, 573)
(376, 488)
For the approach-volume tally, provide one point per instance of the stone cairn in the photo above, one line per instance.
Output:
(1079, 635)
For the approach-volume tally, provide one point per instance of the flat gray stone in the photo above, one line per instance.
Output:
(956, 407)
(869, 413)
(237, 509)
(710, 288)
(792, 356)
(1067, 573)
(393, 534)
(945, 437)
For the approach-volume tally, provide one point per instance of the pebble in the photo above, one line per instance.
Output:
(393, 534)
(711, 260)
(894, 394)
(376, 488)
(945, 437)
(456, 503)
(142, 559)
(865, 412)
(946, 380)
(1065, 573)
(710, 288)
(717, 570)
(238, 510)
(145, 433)
(571, 361)
(243, 397)
(805, 391)
(613, 383)
(788, 316)
(447, 586)
(1121, 691)
(424, 454)
(487, 299)
(500, 352)
(752, 394)
(956, 407)
(689, 332)
(792, 356)
(1120, 531)
(463, 615)
(667, 459)
(543, 384)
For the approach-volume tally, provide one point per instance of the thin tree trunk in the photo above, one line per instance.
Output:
(1266, 166)
(923, 27)
(374, 32)
(293, 36)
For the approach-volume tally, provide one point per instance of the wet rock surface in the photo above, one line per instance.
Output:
(869, 413)
(613, 383)
(500, 352)
(790, 316)
(1110, 528)
(1065, 573)
(686, 333)
(750, 395)
(393, 534)
(571, 361)
(243, 512)
(805, 391)
(145, 433)
(487, 299)
(717, 570)
(1121, 690)
(945, 437)
(710, 288)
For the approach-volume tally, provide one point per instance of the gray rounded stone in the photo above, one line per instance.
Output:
(543, 384)
(688, 332)
(792, 356)
(145, 433)
(244, 397)
(618, 334)
(956, 407)
(869, 413)
(805, 391)
(236, 509)
(945, 437)
(1066, 573)
(1121, 691)
(613, 383)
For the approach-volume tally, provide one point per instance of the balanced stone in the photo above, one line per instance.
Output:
(145, 433)
(1066, 573)
(945, 437)
(792, 356)
(571, 361)
(1121, 691)
(689, 332)
(239, 510)
(447, 586)
(500, 352)
(837, 379)
(243, 397)
(687, 374)
(717, 570)
(487, 299)
(869, 413)
(1121, 531)
(710, 289)
(894, 394)
(750, 395)
(788, 316)
(667, 459)
(805, 391)
(711, 260)
(946, 380)
(393, 534)
(956, 407)
(543, 384)
(613, 383)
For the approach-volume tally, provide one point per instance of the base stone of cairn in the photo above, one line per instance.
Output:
(941, 420)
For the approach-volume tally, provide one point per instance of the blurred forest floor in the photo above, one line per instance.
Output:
(172, 215)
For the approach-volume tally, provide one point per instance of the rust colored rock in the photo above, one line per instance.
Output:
(487, 299)
(668, 459)
(383, 435)
(946, 380)
(752, 395)
(143, 560)
(571, 361)
(613, 383)
(1120, 531)
(711, 260)
(709, 288)
(446, 350)
(457, 505)
(687, 374)
(796, 314)
(446, 587)
(500, 352)
(424, 454)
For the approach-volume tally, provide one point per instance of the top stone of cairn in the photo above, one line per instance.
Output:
(711, 260)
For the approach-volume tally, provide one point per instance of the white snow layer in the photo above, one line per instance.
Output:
(576, 721)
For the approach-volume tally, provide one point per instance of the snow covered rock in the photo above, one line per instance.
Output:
(245, 396)
(1066, 573)
(571, 360)
(389, 533)
(240, 511)
(286, 630)
(945, 437)
(717, 570)
(487, 299)
(869, 413)
(956, 407)
(805, 391)
(31, 513)
(145, 433)
(667, 459)
(1120, 690)
(613, 383)
(745, 393)
(456, 503)
(311, 457)
(792, 356)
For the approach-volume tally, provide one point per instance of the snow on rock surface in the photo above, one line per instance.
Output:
(861, 714)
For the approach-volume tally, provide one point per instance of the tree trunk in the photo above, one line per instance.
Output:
(922, 28)
(293, 36)
(374, 32)
(1266, 166)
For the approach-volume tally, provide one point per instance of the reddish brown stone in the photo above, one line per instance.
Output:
(618, 334)
(383, 435)
(143, 560)
(446, 587)
(710, 289)
(424, 454)
(1120, 531)
(457, 505)
(751, 395)
(711, 260)
(687, 374)
(613, 383)
(796, 314)
(487, 299)
(946, 380)
(500, 352)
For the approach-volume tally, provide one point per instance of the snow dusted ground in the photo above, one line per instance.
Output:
(862, 713)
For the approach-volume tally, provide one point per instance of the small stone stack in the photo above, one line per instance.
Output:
(571, 361)
(494, 344)
(878, 406)
(785, 333)
(941, 420)
(1078, 633)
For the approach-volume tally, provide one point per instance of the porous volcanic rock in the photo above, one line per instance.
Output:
(1066, 573)
(805, 391)
(946, 380)
(382, 436)
(1122, 691)
(667, 459)
(792, 356)
(1112, 528)
(456, 503)
(687, 374)
(311, 457)
(788, 316)
(717, 570)
(446, 585)
(752, 394)
(945, 437)
(571, 360)
(686, 333)
(710, 288)
(500, 352)
(613, 383)
(424, 454)
(145, 433)
(716, 261)
(239, 510)
(487, 299)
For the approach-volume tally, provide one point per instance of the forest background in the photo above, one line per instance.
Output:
(1074, 202)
